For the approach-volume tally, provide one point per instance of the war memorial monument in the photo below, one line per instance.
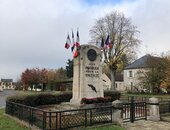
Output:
(87, 82)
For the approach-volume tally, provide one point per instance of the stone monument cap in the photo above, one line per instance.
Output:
(117, 103)
(153, 100)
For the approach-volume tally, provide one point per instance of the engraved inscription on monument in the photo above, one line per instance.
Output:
(92, 70)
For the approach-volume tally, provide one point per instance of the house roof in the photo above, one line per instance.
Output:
(6, 80)
(142, 62)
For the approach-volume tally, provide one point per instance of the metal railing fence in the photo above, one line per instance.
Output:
(58, 120)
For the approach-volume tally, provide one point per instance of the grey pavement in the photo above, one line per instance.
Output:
(147, 125)
(4, 94)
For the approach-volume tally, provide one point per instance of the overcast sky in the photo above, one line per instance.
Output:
(33, 32)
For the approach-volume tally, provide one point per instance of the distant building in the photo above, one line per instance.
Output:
(119, 86)
(7, 84)
(119, 82)
(131, 72)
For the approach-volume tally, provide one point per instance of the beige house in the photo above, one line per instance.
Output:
(131, 81)
(7, 84)
(131, 73)
(119, 85)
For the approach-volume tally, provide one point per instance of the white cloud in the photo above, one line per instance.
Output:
(152, 19)
(33, 32)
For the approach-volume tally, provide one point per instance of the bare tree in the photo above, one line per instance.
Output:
(123, 39)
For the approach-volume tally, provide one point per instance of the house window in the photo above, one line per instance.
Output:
(130, 73)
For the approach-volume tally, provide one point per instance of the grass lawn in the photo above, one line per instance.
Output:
(109, 127)
(148, 95)
(35, 92)
(9, 124)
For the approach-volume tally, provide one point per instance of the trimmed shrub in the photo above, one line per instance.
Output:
(95, 100)
(47, 98)
(30, 100)
(113, 94)
(64, 97)
(51, 98)
(109, 96)
(41, 99)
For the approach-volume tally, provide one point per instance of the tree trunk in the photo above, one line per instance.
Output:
(43, 86)
(152, 89)
(159, 89)
(51, 86)
(31, 87)
(112, 76)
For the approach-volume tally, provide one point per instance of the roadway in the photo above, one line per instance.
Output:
(4, 94)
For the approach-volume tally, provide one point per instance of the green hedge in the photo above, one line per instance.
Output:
(109, 96)
(113, 94)
(95, 100)
(41, 99)
(38, 99)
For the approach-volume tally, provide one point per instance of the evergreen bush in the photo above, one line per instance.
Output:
(40, 98)
(113, 94)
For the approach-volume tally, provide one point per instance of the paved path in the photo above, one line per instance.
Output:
(147, 125)
(4, 94)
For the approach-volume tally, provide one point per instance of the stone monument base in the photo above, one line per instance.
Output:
(76, 102)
